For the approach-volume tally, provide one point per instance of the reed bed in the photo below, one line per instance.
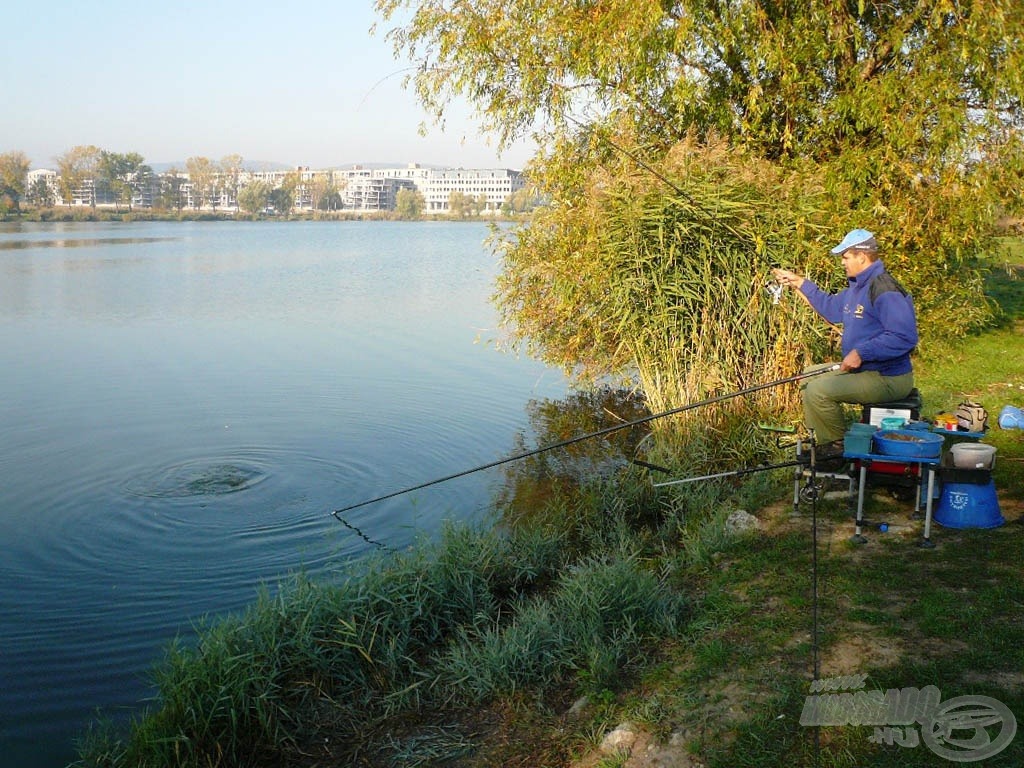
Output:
(690, 268)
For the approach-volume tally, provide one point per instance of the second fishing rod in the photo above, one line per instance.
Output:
(589, 436)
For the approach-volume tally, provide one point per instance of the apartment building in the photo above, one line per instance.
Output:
(359, 188)
(49, 178)
(492, 185)
(373, 193)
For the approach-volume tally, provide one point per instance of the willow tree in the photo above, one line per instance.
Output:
(652, 117)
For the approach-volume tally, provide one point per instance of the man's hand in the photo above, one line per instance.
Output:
(851, 362)
(785, 277)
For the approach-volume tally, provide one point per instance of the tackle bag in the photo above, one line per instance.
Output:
(971, 417)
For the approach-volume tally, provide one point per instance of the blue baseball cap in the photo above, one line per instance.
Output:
(857, 238)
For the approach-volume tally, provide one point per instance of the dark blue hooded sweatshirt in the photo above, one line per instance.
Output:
(877, 316)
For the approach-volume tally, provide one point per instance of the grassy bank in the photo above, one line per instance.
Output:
(526, 645)
(342, 670)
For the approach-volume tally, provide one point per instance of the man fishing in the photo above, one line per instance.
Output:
(879, 333)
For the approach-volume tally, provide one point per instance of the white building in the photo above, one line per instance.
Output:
(373, 193)
(493, 186)
(362, 189)
(49, 177)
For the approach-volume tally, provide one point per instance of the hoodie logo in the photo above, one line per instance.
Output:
(859, 311)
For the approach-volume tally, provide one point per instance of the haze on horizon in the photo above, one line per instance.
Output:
(296, 85)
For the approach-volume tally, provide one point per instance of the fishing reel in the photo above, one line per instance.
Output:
(811, 491)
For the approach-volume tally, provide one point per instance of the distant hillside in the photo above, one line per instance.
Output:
(249, 165)
(345, 166)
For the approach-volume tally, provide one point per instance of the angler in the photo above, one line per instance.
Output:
(879, 333)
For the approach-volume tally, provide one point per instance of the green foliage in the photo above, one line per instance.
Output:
(122, 174)
(14, 168)
(902, 117)
(667, 282)
(256, 685)
(282, 199)
(232, 168)
(40, 194)
(409, 204)
(202, 174)
(522, 200)
(254, 197)
(74, 167)
(459, 204)
(594, 622)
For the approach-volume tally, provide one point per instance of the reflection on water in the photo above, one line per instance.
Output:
(533, 481)
(78, 242)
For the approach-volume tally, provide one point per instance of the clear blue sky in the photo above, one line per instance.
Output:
(300, 84)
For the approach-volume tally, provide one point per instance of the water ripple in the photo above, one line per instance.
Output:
(196, 478)
(78, 242)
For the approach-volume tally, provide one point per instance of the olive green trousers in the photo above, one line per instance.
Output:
(824, 395)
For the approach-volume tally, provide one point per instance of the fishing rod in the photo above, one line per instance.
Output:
(731, 473)
(580, 438)
(596, 131)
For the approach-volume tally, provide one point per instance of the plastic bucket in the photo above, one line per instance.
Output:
(973, 456)
(966, 505)
(893, 422)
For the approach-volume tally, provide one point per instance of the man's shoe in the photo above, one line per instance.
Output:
(829, 450)
(828, 457)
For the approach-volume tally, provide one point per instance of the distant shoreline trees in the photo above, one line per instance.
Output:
(89, 176)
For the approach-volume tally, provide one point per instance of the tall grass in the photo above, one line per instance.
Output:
(593, 624)
(688, 270)
(477, 615)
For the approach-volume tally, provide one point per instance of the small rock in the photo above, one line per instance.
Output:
(741, 521)
(679, 738)
(619, 740)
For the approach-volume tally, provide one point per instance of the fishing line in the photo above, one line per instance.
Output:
(386, 77)
(360, 534)
(774, 290)
(596, 131)
(571, 441)
(599, 133)
(815, 654)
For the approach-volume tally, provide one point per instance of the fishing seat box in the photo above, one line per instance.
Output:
(909, 408)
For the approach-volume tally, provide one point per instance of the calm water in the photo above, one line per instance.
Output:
(182, 405)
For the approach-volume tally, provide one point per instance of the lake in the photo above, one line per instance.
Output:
(183, 406)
